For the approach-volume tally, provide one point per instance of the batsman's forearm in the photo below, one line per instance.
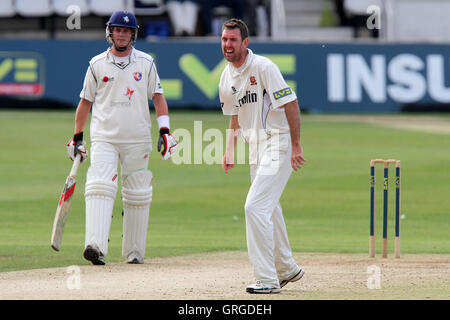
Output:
(292, 111)
(160, 103)
(82, 115)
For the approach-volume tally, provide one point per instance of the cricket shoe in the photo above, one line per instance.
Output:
(297, 276)
(260, 288)
(94, 255)
(134, 258)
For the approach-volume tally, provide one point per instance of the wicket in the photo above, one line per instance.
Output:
(385, 206)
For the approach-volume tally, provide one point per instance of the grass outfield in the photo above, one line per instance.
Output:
(197, 208)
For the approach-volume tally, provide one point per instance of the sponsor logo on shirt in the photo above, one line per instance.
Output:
(248, 98)
(118, 104)
(234, 90)
(137, 76)
(282, 93)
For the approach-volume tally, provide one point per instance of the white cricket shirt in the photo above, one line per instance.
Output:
(120, 93)
(254, 92)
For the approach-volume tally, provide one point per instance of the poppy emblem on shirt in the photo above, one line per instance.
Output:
(106, 79)
(253, 81)
(129, 93)
(137, 76)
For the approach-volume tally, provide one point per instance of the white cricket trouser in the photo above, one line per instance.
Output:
(267, 240)
(101, 185)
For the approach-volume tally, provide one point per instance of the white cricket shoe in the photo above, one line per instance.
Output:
(134, 258)
(297, 276)
(258, 287)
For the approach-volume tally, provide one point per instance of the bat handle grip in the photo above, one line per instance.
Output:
(75, 165)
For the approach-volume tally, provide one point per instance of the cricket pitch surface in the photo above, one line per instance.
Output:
(224, 275)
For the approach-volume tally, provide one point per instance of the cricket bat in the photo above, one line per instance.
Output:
(64, 205)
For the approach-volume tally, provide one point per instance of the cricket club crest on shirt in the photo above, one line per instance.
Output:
(129, 93)
(137, 76)
(253, 81)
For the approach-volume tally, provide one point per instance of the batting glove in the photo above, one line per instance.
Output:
(75, 146)
(168, 141)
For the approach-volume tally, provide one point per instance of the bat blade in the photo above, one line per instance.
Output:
(62, 212)
(64, 205)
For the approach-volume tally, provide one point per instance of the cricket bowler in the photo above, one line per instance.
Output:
(117, 86)
(264, 110)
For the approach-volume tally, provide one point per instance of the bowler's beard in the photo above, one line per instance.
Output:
(234, 58)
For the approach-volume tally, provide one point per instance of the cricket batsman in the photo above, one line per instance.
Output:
(117, 86)
(264, 109)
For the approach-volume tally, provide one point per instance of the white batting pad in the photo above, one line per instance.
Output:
(101, 180)
(98, 221)
(137, 196)
(100, 192)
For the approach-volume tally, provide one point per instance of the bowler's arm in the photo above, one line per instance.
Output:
(292, 111)
(233, 133)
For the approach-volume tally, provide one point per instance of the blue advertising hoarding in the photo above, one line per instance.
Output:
(326, 77)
